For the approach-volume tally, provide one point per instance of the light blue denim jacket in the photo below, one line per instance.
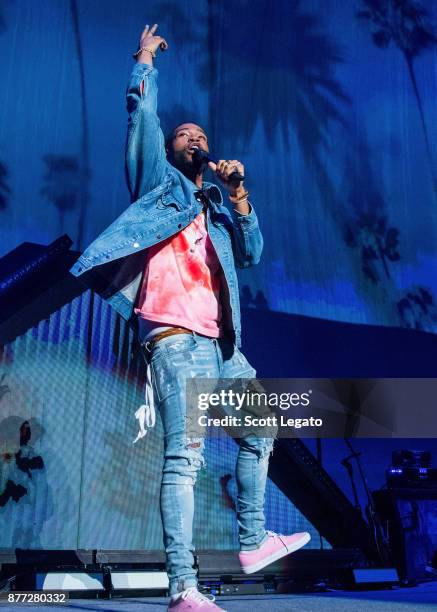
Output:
(163, 202)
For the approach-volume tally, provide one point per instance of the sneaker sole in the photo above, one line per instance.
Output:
(255, 567)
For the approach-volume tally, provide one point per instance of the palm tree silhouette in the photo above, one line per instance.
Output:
(283, 81)
(84, 149)
(366, 223)
(403, 23)
(280, 78)
(4, 188)
(417, 309)
(61, 183)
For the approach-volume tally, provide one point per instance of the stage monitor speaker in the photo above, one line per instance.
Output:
(69, 581)
(372, 578)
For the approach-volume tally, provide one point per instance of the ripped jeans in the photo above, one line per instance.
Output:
(173, 360)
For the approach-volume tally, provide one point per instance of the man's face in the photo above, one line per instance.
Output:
(186, 137)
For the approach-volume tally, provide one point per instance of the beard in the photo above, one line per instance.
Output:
(186, 164)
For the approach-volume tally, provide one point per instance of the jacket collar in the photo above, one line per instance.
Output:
(210, 190)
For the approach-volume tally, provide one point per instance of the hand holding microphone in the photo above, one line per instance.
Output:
(230, 172)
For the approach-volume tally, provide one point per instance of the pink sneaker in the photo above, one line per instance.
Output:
(275, 547)
(191, 599)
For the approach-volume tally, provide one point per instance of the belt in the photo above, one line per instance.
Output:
(149, 344)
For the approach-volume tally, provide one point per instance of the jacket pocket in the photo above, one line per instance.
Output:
(161, 199)
(155, 194)
(167, 201)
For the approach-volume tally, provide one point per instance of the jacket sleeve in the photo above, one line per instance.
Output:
(145, 149)
(248, 241)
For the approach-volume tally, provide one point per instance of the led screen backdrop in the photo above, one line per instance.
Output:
(330, 105)
(70, 475)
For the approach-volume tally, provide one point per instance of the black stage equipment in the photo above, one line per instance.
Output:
(409, 519)
(411, 469)
(108, 573)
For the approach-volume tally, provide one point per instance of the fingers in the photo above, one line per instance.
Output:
(163, 45)
(226, 167)
(221, 164)
(224, 170)
(150, 31)
(212, 165)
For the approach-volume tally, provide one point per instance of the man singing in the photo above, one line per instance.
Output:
(169, 260)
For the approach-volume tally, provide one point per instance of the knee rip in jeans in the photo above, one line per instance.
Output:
(265, 450)
(195, 456)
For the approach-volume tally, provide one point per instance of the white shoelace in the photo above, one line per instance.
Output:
(280, 536)
(197, 596)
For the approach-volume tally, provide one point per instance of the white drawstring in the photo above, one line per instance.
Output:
(146, 413)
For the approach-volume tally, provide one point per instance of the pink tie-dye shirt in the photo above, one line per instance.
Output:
(182, 282)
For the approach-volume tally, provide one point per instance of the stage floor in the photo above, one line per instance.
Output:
(399, 600)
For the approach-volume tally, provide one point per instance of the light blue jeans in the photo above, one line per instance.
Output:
(173, 360)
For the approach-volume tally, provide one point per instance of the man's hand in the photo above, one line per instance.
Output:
(149, 41)
(223, 169)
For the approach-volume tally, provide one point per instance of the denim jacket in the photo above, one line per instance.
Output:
(164, 201)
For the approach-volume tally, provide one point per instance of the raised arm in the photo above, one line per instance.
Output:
(145, 149)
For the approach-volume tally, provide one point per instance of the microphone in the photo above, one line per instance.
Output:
(201, 156)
